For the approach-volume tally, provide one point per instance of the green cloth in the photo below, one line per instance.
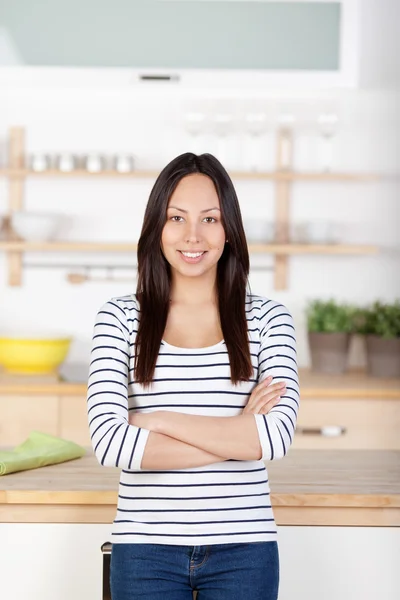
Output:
(39, 450)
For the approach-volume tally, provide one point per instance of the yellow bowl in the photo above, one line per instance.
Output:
(33, 356)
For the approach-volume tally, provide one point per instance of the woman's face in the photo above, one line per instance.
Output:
(193, 225)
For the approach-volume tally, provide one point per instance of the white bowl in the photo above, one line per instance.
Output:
(316, 232)
(36, 227)
(259, 231)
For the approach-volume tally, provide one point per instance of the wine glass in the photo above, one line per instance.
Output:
(327, 124)
(286, 121)
(255, 126)
(222, 123)
(194, 123)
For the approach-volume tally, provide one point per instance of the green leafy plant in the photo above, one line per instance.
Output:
(330, 316)
(382, 319)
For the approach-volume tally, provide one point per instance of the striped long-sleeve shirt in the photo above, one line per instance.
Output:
(224, 502)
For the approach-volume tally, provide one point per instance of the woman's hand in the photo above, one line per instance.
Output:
(264, 397)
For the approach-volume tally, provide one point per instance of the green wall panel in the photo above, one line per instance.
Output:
(175, 34)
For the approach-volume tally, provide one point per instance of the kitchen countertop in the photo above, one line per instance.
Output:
(309, 487)
(353, 384)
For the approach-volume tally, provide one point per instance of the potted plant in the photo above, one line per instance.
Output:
(380, 323)
(329, 325)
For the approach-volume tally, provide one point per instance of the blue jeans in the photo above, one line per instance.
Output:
(171, 572)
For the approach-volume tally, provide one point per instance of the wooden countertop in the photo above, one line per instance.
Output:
(354, 384)
(324, 487)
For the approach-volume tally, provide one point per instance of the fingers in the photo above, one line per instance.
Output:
(265, 396)
(266, 399)
(269, 391)
(268, 404)
(267, 384)
(265, 408)
(269, 396)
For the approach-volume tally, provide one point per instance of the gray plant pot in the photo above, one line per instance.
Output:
(383, 356)
(329, 351)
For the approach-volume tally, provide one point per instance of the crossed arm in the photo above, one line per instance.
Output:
(178, 440)
(170, 440)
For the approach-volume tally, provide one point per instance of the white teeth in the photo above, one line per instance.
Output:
(192, 255)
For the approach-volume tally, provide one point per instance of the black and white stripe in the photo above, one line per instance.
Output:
(225, 502)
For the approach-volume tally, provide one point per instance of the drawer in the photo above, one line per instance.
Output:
(73, 420)
(367, 424)
(19, 415)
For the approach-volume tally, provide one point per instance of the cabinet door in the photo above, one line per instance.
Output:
(19, 415)
(339, 563)
(369, 424)
(73, 420)
(300, 36)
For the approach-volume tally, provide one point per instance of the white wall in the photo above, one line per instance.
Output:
(81, 120)
(379, 44)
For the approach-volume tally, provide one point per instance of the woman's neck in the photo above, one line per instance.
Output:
(194, 291)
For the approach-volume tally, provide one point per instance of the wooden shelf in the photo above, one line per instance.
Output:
(273, 175)
(282, 177)
(21, 246)
(286, 249)
(290, 249)
(77, 173)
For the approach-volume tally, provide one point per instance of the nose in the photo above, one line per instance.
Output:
(192, 233)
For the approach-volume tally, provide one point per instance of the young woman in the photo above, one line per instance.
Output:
(193, 384)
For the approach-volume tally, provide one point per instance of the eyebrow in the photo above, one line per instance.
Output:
(202, 211)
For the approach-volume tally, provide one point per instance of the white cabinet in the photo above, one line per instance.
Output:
(209, 44)
(43, 561)
(64, 562)
(339, 563)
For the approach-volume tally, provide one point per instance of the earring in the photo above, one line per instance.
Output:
(226, 241)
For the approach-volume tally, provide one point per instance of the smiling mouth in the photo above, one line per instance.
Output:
(192, 254)
(192, 257)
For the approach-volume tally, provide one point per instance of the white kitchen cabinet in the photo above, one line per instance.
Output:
(64, 562)
(258, 44)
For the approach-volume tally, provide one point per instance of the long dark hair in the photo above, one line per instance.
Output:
(154, 272)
